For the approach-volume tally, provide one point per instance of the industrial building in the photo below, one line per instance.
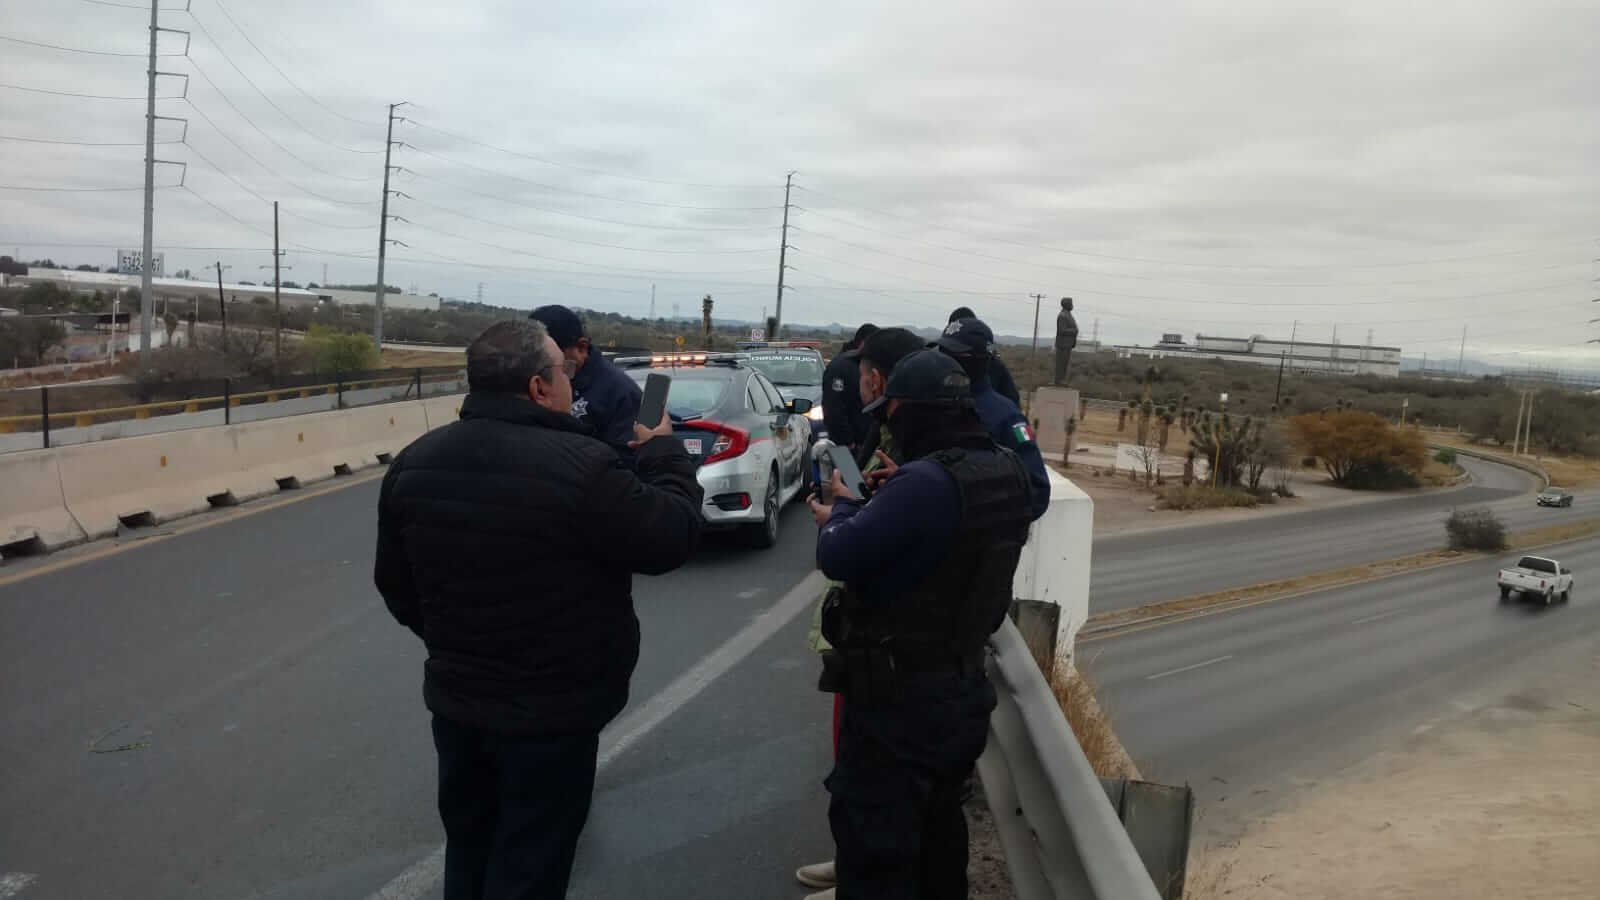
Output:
(186, 290)
(1298, 356)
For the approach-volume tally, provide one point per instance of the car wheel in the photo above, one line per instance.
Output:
(1549, 597)
(1566, 595)
(765, 533)
(1505, 594)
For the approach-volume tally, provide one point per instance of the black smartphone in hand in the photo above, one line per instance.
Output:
(845, 464)
(654, 402)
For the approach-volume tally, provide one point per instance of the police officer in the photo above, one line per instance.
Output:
(999, 375)
(841, 402)
(603, 396)
(969, 342)
(927, 566)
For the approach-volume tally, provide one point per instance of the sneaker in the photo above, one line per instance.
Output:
(822, 895)
(818, 875)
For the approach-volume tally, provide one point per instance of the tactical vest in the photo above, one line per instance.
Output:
(951, 612)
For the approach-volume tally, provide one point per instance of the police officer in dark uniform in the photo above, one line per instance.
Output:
(847, 425)
(603, 396)
(927, 566)
(969, 342)
(999, 375)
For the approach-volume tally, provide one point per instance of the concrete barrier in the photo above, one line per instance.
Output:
(1053, 571)
(153, 478)
(441, 411)
(33, 511)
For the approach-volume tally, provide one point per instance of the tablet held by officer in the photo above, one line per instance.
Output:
(926, 567)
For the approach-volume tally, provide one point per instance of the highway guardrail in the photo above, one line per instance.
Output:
(1062, 837)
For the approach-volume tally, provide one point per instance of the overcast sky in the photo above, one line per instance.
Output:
(1225, 168)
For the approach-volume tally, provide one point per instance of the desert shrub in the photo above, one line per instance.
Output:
(1475, 529)
(1202, 496)
(1361, 450)
(1446, 456)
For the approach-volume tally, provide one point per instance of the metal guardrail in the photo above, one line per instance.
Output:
(1062, 837)
(81, 418)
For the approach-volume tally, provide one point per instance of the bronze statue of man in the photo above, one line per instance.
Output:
(1066, 339)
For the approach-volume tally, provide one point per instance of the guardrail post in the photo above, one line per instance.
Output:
(340, 400)
(419, 384)
(227, 401)
(44, 414)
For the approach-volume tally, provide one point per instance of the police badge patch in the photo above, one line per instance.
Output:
(580, 408)
(837, 386)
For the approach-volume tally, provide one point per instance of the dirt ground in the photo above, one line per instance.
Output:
(397, 358)
(1499, 801)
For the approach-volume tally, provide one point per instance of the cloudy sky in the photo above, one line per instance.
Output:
(1219, 167)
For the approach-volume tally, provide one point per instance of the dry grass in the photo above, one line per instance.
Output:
(1209, 875)
(393, 358)
(1076, 695)
(1438, 474)
(1553, 534)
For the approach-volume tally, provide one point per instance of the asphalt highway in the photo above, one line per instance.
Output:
(224, 709)
(1254, 705)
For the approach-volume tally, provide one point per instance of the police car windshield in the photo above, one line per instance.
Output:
(694, 392)
(789, 369)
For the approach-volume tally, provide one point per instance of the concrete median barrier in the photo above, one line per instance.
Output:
(441, 411)
(33, 511)
(311, 448)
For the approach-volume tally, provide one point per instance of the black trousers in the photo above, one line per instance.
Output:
(896, 788)
(513, 807)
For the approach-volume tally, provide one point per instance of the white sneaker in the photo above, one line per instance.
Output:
(822, 895)
(818, 875)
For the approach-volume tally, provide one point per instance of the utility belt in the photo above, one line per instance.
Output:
(869, 666)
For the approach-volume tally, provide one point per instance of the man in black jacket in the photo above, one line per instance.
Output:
(507, 542)
(999, 376)
(847, 425)
(603, 396)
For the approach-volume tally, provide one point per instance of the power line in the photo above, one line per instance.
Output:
(1172, 262)
(231, 105)
(562, 190)
(270, 102)
(1131, 277)
(575, 262)
(286, 179)
(84, 190)
(246, 35)
(306, 247)
(35, 90)
(558, 237)
(560, 212)
(80, 49)
(551, 162)
(118, 5)
(242, 186)
(30, 140)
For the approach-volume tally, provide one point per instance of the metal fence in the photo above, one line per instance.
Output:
(43, 417)
(1063, 838)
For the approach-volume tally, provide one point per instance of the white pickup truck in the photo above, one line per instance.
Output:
(1535, 576)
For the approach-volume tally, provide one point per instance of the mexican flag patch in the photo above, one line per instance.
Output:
(1022, 433)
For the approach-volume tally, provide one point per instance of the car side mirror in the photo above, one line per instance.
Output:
(799, 406)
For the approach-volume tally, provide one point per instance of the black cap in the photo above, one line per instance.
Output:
(926, 376)
(962, 312)
(562, 323)
(966, 336)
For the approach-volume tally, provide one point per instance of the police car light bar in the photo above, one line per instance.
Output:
(678, 359)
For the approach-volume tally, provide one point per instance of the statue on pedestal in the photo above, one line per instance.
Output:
(1066, 339)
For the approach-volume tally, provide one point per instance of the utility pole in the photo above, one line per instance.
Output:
(324, 274)
(277, 297)
(1527, 427)
(146, 290)
(1277, 394)
(783, 250)
(383, 230)
(1461, 361)
(1033, 357)
(222, 306)
(652, 301)
(480, 293)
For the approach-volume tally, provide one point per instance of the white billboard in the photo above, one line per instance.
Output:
(131, 262)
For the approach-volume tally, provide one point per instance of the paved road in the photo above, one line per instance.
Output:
(1135, 569)
(228, 712)
(1253, 705)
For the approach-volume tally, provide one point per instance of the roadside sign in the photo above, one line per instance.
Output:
(678, 340)
(758, 334)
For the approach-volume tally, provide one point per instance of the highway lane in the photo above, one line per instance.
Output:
(230, 712)
(1135, 569)
(1250, 706)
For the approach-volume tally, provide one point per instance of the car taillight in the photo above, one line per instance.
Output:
(729, 442)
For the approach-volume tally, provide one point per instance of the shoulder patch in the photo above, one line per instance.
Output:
(837, 385)
(1021, 433)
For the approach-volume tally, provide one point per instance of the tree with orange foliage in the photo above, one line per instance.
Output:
(1360, 449)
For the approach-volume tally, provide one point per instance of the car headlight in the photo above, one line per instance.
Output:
(814, 413)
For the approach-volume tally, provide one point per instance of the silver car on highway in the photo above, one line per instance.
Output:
(751, 446)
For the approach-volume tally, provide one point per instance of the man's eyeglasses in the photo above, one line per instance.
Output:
(567, 366)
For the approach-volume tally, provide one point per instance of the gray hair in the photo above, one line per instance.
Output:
(507, 355)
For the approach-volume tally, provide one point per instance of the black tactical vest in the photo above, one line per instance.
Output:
(953, 610)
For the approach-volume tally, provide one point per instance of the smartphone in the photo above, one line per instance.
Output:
(849, 472)
(654, 402)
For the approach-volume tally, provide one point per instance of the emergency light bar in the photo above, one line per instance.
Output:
(678, 359)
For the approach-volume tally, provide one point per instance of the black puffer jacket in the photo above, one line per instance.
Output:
(507, 541)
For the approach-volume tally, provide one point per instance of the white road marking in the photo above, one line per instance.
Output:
(1188, 668)
(426, 873)
(13, 883)
(1382, 615)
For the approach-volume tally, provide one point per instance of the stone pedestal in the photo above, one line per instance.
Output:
(1049, 410)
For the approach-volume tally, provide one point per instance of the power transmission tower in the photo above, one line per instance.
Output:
(383, 228)
(480, 293)
(147, 304)
(783, 249)
(652, 301)
(1033, 355)
(1461, 361)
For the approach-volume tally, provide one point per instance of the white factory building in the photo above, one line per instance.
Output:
(182, 290)
(1296, 356)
